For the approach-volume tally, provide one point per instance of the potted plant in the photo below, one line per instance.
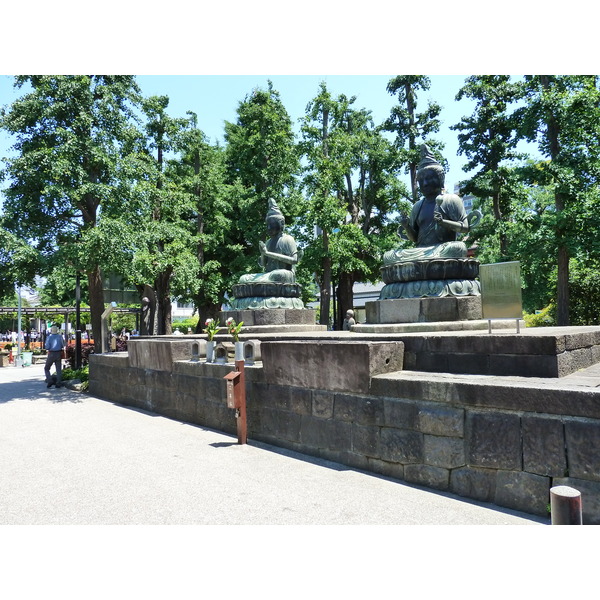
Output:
(211, 329)
(234, 330)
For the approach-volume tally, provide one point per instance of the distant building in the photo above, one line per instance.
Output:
(180, 311)
(467, 199)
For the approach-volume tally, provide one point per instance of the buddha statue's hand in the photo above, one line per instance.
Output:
(405, 228)
(262, 247)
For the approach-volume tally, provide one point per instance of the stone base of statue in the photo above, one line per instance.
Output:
(437, 268)
(433, 278)
(424, 310)
(418, 315)
(266, 295)
(273, 320)
(435, 290)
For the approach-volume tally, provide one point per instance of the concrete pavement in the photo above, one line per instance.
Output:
(67, 458)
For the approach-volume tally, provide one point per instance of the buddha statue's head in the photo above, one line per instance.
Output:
(274, 220)
(430, 174)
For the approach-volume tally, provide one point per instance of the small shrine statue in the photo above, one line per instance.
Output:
(349, 321)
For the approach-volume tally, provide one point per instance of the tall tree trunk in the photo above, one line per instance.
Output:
(562, 282)
(325, 301)
(162, 286)
(412, 143)
(562, 287)
(498, 216)
(206, 311)
(345, 297)
(96, 306)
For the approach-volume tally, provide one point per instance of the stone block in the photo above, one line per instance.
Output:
(583, 448)
(439, 309)
(523, 365)
(405, 310)
(274, 396)
(523, 491)
(441, 420)
(590, 497)
(300, 401)
(364, 410)
(401, 445)
(400, 414)
(365, 440)
(582, 339)
(477, 364)
(445, 452)
(306, 316)
(473, 482)
(428, 476)
(273, 316)
(493, 440)
(387, 469)
(329, 365)
(543, 446)
(158, 354)
(572, 361)
(372, 312)
(325, 433)
(322, 404)
(243, 316)
(433, 362)
(469, 308)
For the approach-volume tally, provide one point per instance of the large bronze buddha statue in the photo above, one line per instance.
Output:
(438, 264)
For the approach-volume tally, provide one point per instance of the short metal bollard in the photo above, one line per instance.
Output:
(565, 506)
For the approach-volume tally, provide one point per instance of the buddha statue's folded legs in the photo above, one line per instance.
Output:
(275, 276)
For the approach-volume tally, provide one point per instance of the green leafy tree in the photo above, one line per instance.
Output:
(351, 180)
(562, 115)
(166, 248)
(262, 162)
(71, 133)
(206, 202)
(18, 263)
(488, 139)
(322, 146)
(411, 126)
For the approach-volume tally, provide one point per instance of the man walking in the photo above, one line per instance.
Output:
(54, 346)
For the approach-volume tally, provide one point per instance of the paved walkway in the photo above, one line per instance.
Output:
(71, 459)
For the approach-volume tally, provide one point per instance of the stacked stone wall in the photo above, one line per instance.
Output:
(503, 444)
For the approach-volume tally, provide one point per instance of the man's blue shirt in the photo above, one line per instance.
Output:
(54, 342)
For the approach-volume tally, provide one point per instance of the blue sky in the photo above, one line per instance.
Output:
(215, 98)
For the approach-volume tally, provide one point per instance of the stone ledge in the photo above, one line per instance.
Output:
(330, 365)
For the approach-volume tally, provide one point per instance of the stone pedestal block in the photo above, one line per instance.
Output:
(329, 365)
(424, 310)
(160, 354)
(271, 316)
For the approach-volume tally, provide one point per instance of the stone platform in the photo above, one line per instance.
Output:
(547, 352)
